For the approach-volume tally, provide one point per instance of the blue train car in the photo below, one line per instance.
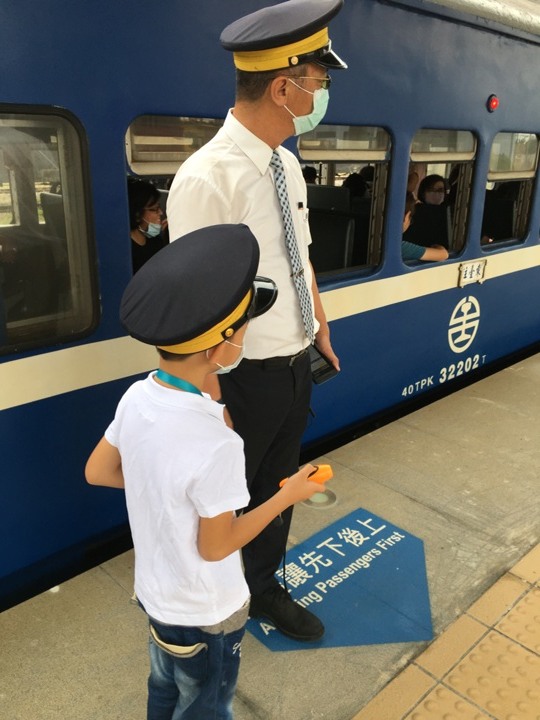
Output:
(94, 92)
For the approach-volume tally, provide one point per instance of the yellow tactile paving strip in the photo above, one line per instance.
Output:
(485, 666)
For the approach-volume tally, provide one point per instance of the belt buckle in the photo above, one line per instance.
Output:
(294, 358)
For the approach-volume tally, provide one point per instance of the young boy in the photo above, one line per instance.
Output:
(183, 468)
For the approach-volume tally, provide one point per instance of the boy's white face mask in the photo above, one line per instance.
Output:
(227, 368)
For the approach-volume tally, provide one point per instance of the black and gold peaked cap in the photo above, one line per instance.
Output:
(284, 35)
(188, 295)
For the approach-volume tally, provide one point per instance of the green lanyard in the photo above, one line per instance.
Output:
(177, 382)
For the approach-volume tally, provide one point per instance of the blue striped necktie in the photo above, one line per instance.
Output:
(297, 274)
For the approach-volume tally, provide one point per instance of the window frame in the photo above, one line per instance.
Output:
(467, 161)
(524, 202)
(58, 326)
(380, 158)
(138, 145)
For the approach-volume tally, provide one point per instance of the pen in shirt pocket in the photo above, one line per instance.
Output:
(304, 211)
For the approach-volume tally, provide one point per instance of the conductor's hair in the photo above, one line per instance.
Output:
(251, 86)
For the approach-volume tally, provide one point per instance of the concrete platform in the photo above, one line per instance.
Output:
(461, 474)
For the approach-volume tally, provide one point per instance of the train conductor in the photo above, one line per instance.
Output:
(283, 56)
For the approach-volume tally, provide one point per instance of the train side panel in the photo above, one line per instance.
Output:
(400, 331)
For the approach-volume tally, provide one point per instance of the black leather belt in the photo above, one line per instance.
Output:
(274, 363)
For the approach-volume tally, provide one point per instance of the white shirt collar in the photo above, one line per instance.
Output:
(192, 401)
(254, 148)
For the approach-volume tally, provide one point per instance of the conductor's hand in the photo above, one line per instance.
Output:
(322, 341)
(298, 486)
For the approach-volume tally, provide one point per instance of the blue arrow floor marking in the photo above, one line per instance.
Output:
(364, 578)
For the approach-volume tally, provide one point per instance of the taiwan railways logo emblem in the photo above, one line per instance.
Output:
(463, 324)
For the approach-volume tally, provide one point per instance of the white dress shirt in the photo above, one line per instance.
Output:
(180, 463)
(229, 180)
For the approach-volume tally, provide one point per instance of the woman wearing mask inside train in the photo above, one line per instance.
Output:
(430, 224)
(432, 190)
(411, 251)
(146, 222)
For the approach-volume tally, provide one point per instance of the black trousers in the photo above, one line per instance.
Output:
(269, 408)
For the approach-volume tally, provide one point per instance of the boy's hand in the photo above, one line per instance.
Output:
(299, 487)
(221, 535)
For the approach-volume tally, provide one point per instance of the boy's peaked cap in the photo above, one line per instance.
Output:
(190, 285)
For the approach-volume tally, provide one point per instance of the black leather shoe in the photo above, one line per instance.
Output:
(277, 606)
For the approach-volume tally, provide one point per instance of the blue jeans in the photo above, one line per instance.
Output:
(195, 680)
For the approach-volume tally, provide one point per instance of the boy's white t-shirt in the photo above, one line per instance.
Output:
(180, 462)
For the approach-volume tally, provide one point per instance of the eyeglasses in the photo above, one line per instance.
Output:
(325, 81)
(264, 296)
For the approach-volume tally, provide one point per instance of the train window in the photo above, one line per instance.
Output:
(429, 142)
(509, 193)
(46, 263)
(157, 145)
(441, 159)
(346, 207)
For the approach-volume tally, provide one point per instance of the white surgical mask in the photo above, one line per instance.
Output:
(152, 231)
(435, 197)
(227, 368)
(305, 123)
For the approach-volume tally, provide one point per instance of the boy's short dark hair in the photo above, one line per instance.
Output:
(166, 355)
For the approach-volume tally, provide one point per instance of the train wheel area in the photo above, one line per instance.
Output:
(459, 475)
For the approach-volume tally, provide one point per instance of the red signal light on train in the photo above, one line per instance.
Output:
(492, 103)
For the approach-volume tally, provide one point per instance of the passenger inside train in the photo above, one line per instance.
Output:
(431, 214)
(357, 187)
(432, 190)
(147, 227)
(310, 174)
(409, 250)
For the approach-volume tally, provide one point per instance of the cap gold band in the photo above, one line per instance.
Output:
(277, 58)
(211, 337)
